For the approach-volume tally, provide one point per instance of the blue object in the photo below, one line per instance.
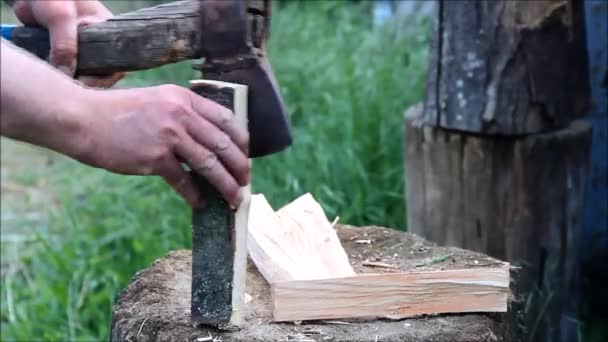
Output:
(595, 227)
(6, 31)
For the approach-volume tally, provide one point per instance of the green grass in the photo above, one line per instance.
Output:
(346, 85)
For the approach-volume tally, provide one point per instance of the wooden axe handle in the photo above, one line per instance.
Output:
(138, 40)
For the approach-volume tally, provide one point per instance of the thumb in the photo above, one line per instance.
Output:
(64, 43)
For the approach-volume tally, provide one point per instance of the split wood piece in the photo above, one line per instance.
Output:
(219, 234)
(295, 243)
(394, 295)
(299, 254)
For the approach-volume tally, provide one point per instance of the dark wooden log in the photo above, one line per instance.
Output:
(213, 258)
(138, 40)
(154, 307)
(218, 236)
(507, 67)
(519, 199)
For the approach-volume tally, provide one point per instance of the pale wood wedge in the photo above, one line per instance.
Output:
(396, 295)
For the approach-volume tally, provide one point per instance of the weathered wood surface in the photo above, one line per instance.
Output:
(296, 242)
(155, 305)
(518, 199)
(395, 295)
(218, 232)
(137, 40)
(507, 67)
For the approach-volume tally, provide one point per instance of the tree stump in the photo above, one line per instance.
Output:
(516, 198)
(156, 304)
(496, 161)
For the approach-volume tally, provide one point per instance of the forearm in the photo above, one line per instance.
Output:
(38, 104)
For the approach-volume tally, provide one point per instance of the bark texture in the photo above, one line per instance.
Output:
(212, 240)
(507, 67)
(518, 199)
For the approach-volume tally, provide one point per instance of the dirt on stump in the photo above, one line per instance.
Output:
(156, 304)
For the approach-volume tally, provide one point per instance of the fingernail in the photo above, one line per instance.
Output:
(238, 200)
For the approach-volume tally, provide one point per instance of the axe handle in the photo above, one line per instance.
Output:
(138, 40)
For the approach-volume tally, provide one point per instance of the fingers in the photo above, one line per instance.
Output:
(181, 181)
(61, 19)
(222, 118)
(221, 145)
(23, 12)
(206, 163)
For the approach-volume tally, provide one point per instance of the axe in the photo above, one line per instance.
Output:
(230, 37)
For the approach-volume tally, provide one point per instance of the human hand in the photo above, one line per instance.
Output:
(63, 18)
(147, 131)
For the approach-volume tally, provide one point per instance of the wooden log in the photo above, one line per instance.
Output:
(154, 307)
(519, 199)
(396, 295)
(499, 67)
(219, 234)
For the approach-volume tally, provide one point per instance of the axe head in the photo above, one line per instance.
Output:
(234, 35)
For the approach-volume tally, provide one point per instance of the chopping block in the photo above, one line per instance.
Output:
(155, 306)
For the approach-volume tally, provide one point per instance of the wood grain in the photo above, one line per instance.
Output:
(397, 295)
(295, 243)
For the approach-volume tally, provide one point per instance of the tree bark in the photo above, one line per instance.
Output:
(507, 67)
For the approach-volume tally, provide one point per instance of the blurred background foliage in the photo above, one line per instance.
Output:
(346, 80)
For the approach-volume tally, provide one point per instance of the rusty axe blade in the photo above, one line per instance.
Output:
(233, 43)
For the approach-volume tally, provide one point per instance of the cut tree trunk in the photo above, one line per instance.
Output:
(518, 199)
(155, 305)
(496, 159)
(507, 67)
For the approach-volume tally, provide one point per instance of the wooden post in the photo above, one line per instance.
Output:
(496, 159)
(219, 234)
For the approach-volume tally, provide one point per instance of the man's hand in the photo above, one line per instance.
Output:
(63, 18)
(148, 131)
(145, 131)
